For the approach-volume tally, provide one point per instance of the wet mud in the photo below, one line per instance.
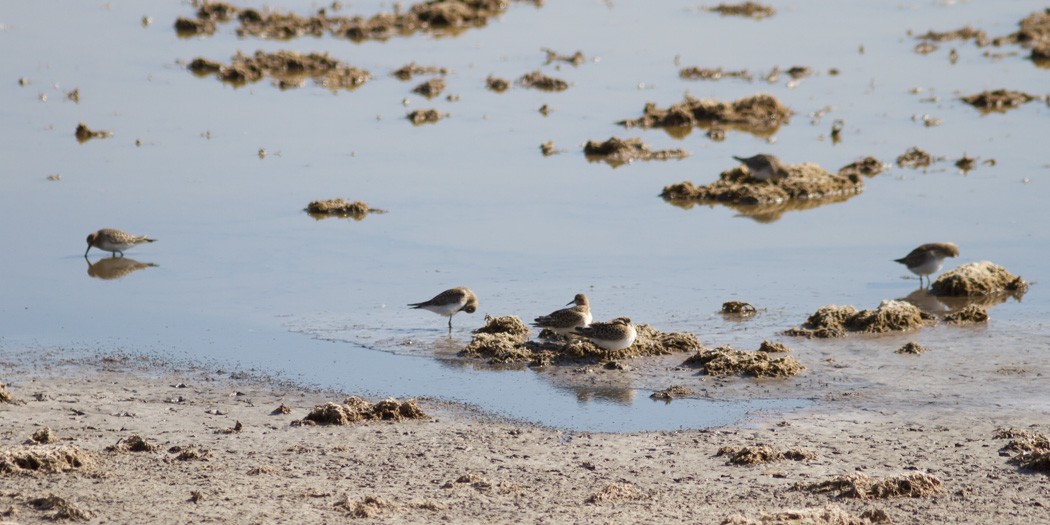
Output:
(433, 17)
(836, 321)
(998, 100)
(499, 85)
(133, 443)
(672, 392)
(617, 152)
(828, 515)
(425, 116)
(42, 458)
(574, 59)
(288, 70)
(538, 80)
(971, 314)
(726, 361)
(410, 70)
(6, 397)
(749, 9)
(431, 88)
(739, 308)
(357, 410)
(758, 454)
(1029, 451)
(1033, 34)
(64, 509)
(914, 485)
(356, 210)
(978, 279)
(760, 114)
(911, 347)
(703, 73)
(914, 158)
(548, 148)
(83, 133)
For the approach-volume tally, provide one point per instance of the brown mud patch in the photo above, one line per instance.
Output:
(706, 73)
(914, 485)
(84, 133)
(672, 392)
(425, 116)
(356, 410)
(835, 321)
(1033, 34)
(538, 80)
(615, 492)
(749, 9)
(44, 458)
(406, 72)
(867, 166)
(617, 152)
(970, 314)
(772, 347)
(64, 509)
(6, 397)
(998, 100)
(575, 59)
(438, 17)
(914, 158)
(827, 515)
(726, 361)
(44, 436)
(759, 114)
(1030, 450)
(548, 148)
(499, 85)
(739, 308)
(804, 182)
(367, 507)
(133, 443)
(911, 347)
(979, 278)
(757, 454)
(964, 33)
(324, 209)
(431, 88)
(288, 70)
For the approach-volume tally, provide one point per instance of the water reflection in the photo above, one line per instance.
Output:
(940, 305)
(764, 213)
(114, 267)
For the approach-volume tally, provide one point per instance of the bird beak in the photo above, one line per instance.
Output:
(570, 302)
(87, 250)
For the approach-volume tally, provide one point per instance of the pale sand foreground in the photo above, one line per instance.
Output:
(465, 468)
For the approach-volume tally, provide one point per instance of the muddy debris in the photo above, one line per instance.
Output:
(45, 458)
(188, 454)
(760, 114)
(971, 314)
(726, 361)
(575, 59)
(555, 349)
(133, 443)
(617, 152)
(739, 308)
(614, 492)
(672, 392)
(548, 148)
(43, 436)
(914, 485)
(64, 510)
(6, 397)
(828, 515)
(356, 210)
(84, 133)
(914, 158)
(501, 340)
(74, 96)
(749, 9)
(433, 17)
(772, 347)
(806, 181)
(757, 454)
(966, 164)
(1030, 451)
(978, 279)
(911, 347)
(867, 166)
(282, 410)
(998, 100)
(425, 116)
(406, 72)
(925, 48)
(705, 73)
(355, 410)
(835, 321)
(367, 507)
(538, 80)
(964, 33)
(288, 70)
(499, 85)
(430, 88)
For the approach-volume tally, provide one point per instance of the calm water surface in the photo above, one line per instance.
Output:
(243, 276)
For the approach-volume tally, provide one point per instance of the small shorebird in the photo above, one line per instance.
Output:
(450, 302)
(565, 321)
(928, 258)
(114, 241)
(614, 335)
(764, 167)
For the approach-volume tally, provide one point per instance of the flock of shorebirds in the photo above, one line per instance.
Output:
(576, 319)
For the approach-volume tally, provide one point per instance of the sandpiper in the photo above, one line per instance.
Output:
(614, 335)
(928, 258)
(450, 302)
(764, 167)
(114, 241)
(566, 320)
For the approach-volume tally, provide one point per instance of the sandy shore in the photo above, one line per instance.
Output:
(221, 452)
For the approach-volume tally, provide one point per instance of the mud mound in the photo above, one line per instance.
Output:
(356, 210)
(1031, 449)
(740, 308)
(354, 410)
(368, 507)
(42, 458)
(6, 397)
(501, 340)
(424, 116)
(288, 69)
(548, 148)
(616, 492)
(700, 73)
(650, 342)
(538, 80)
(911, 347)
(828, 515)
(835, 321)
(617, 151)
(803, 181)
(84, 133)
(64, 510)
(508, 324)
(914, 158)
(755, 454)
(971, 314)
(133, 443)
(575, 59)
(433, 16)
(980, 278)
(725, 361)
(964, 33)
(430, 88)
(497, 84)
(672, 392)
(406, 72)
(43, 436)
(998, 100)
(867, 166)
(771, 347)
(759, 114)
(915, 485)
(748, 9)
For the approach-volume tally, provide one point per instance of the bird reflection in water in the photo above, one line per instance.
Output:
(114, 267)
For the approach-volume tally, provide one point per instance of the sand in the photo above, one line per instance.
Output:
(224, 449)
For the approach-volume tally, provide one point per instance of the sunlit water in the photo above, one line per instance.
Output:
(242, 275)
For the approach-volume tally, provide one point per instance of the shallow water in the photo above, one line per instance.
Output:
(244, 276)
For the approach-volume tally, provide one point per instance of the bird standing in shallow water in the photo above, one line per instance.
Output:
(764, 167)
(928, 258)
(614, 335)
(450, 302)
(566, 320)
(114, 241)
